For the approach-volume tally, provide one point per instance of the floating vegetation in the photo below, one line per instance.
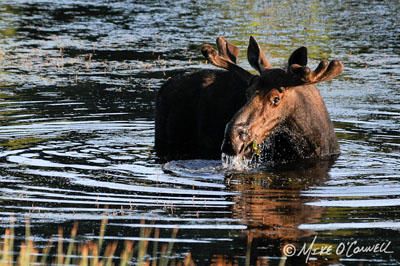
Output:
(255, 148)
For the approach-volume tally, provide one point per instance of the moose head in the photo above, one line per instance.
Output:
(280, 101)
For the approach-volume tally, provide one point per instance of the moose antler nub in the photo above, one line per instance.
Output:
(226, 59)
(227, 50)
(322, 73)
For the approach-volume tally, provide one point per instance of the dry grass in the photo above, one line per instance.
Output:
(85, 253)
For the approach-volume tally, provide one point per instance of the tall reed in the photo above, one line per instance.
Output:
(87, 252)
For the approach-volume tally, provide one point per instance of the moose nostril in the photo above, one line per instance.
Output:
(235, 138)
(243, 135)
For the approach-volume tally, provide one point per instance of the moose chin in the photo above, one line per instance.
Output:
(278, 115)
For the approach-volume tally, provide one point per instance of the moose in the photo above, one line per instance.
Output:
(278, 115)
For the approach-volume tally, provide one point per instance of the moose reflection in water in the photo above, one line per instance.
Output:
(272, 208)
(278, 114)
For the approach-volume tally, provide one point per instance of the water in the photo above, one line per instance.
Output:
(78, 81)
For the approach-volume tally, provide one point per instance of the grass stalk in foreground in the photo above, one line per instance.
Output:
(84, 253)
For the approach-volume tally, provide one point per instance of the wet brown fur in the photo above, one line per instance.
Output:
(192, 111)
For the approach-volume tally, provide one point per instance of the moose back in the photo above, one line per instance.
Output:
(278, 114)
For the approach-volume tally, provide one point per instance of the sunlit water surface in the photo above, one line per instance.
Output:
(78, 82)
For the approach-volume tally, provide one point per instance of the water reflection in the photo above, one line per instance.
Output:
(272, 208)
(271, 203)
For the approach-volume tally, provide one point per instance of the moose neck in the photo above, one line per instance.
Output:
(310, 126)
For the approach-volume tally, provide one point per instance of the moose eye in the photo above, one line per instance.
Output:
(276, 100)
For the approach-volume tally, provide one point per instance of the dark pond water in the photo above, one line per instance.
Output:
(78, 81)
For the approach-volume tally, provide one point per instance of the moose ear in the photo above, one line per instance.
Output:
(257, 59)
(299, 57)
